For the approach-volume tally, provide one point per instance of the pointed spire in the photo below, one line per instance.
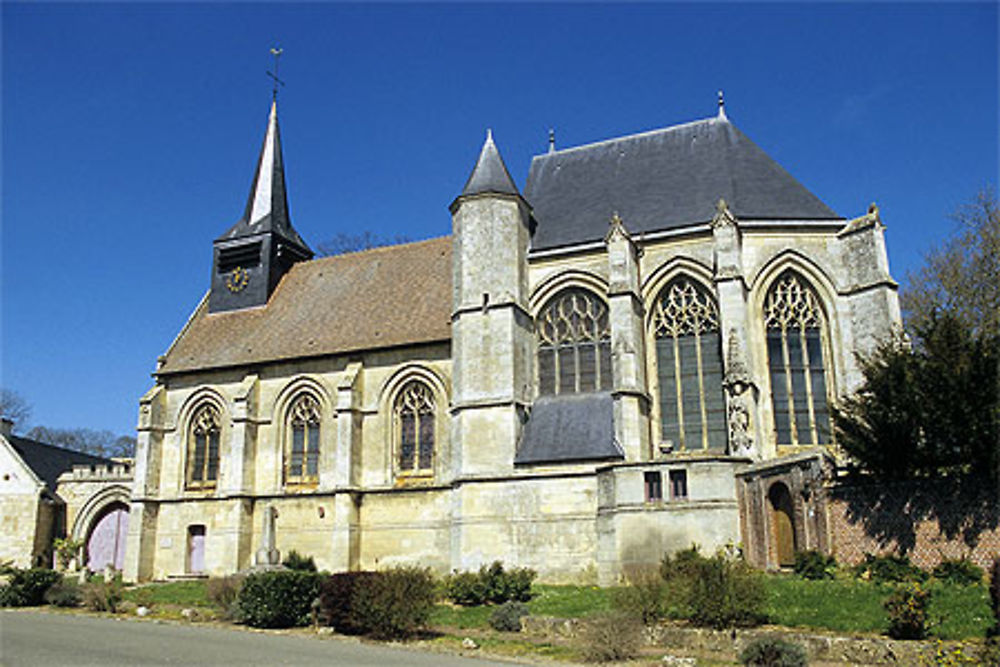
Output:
(267, 204)
(490, 173)
(552, 140)
(722, 107)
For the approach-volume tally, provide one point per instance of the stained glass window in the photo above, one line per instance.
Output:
(574, 344)
(203, 448)
(415, 428)
(302, 462)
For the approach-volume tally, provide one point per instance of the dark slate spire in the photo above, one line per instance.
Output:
(490, 173)
(267, 206)
(250, 258)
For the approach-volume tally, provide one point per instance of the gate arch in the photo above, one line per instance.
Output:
(102, 525)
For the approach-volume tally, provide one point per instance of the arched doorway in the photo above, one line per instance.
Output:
(106, 540)
(782, 524)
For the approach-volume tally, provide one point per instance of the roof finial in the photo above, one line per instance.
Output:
(552, 140)
(489, 134)
(276, 52)
(722, 107)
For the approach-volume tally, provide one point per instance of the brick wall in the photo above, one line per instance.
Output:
(927, 520)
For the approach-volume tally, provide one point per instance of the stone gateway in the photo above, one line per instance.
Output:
(636, 352)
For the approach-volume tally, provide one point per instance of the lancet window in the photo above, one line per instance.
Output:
(796, 356)
(689, 367)
(574, 344)
(414, 417)
(203, 448)
(302, 451)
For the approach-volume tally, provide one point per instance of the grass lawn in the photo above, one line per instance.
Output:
(561, 601)
(180, 593)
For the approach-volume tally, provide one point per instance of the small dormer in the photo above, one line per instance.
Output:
(250, 259)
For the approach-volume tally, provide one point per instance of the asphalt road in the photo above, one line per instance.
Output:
(53, 640)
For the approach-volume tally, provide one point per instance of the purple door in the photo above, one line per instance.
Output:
(106, 544)
(196, 549)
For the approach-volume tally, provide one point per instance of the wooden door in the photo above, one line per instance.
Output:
(196, 550)
(106, 543)
(782, 524)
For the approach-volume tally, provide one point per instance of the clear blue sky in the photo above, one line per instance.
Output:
(130, 134)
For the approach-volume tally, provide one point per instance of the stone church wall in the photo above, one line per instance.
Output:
(926, 520)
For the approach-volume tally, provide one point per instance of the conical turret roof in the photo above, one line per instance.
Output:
(267, 206)
(490, 173)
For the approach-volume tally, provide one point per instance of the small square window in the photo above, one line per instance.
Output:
(678, 484)
(654, 487)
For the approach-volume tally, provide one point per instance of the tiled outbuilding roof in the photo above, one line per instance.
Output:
(49, 461)
(661, 180)
(384, 297)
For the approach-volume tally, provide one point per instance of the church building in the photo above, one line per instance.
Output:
(637, 351)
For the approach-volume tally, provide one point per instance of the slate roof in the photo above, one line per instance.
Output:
(49, 461)
(267, 206)
(569, 427)
(661, 180)
(490, 173)
(397, 295)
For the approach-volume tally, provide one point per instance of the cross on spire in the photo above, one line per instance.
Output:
(276, 52)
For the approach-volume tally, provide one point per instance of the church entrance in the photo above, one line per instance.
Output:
(196, 550)
(782, 524)
(106, 543)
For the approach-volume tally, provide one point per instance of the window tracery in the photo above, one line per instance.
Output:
(574, 344)
(203, 448)
(796, 352)
(689, 367)
(302, 454)
(415, 417)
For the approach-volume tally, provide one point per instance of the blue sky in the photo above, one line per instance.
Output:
(130, 134)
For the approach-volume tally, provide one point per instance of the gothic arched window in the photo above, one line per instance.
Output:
(796, 330)
(203, 448)
(414, 427)
(302, 450)
(689, 367)
(574, 344)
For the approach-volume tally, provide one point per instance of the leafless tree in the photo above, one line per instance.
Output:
(14, 407)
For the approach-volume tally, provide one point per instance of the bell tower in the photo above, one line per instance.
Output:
(250, 258)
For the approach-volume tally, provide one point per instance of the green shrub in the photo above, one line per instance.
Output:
(104, 592)
(390, 604)
(995, 594)
(814, 565)
(26, 588)
(907, 609)
(773, 652)
(888, 569)
(296, 561)
(491, 584)
(507, 617)
(277, 599)
(727, 593)
(64, 594)
(223, 592)
(611, 637)
(66, 550)
(958, 571)
(682, 565)
(644, 597)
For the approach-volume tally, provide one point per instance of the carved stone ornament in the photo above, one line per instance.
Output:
(267, 555)
(870, 219)
(740, 399)
(617, 229)
(723, 216)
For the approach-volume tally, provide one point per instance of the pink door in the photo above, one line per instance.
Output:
(196, 549)
(106, 544)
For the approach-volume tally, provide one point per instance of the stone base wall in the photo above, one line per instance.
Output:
(926, 520)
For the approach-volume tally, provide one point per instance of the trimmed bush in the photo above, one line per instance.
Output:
(507, 617)
(491, 584)
(888, 568)
(814, 565)
(390, 604)
(26, 588)
(64, 594)
(296, 561)
(277, 599)
(907, 609)
(104, 592)
(223, 592)
(611, 637)
(773, 652)
(958, 571)
(995, 594)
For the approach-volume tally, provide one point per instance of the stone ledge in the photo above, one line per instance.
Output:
(827, 648)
